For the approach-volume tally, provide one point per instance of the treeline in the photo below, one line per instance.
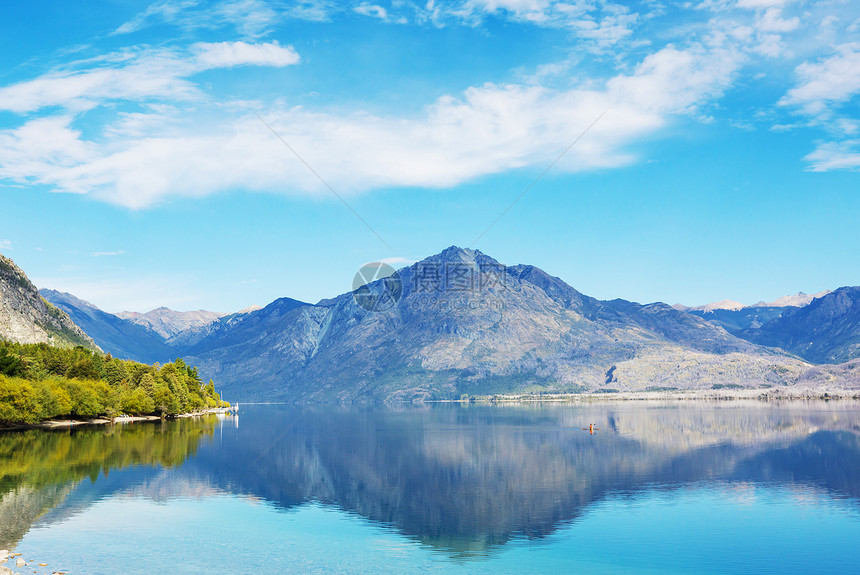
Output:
(39, 382)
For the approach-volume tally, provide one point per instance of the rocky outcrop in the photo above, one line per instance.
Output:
(26, 317)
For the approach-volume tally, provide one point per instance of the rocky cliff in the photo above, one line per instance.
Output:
(26, 317)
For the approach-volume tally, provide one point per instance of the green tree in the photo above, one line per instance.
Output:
(10, 364)
(147, 383)
(18, 401)
(115, 372)
(83, 369)
(85, 401)
(136, 401)
(165, 401)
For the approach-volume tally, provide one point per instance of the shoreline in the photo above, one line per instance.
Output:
(771, 394)
(17, 561)
(70, 423)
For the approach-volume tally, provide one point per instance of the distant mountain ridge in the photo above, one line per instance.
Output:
(119, 337)
(799, 299)
(820, 328)
(167, 322)
(827, 330)
(26, 317)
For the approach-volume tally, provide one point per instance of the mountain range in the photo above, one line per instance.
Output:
(119, 337)
(460, 322)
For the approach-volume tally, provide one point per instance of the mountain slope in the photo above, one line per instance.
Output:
(26, 317)
(825, 331)
(119, 337)
(467, 324)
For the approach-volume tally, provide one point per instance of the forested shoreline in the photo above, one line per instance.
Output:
(39, 382)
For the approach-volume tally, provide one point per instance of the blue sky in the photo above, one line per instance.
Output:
(148, 150)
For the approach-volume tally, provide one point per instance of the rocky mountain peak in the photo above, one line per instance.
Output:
(26, 317)
(458, 255)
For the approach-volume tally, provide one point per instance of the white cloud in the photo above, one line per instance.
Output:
(103, 254)
(227, 54)
(835, 156)
(41, 148)
(487, 129)
(772, 21)
(823, 97)
(5, 245)
(833, 80)
(673, 80)
(373, 10)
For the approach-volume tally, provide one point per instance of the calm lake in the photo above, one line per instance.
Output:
(684, 487)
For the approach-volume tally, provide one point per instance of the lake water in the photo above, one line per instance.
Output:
(686, 487)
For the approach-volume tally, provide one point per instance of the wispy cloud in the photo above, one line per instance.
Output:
(599, 22)
(823, 96)
(228, 54)
(5, 245)
(827, 82)
(830, 156)
(136, 75)
(373, 10)
(165, 10)
(250, 18)
(103, 254)
(141, 75)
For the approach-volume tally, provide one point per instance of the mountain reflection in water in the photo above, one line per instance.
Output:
(463, 479)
